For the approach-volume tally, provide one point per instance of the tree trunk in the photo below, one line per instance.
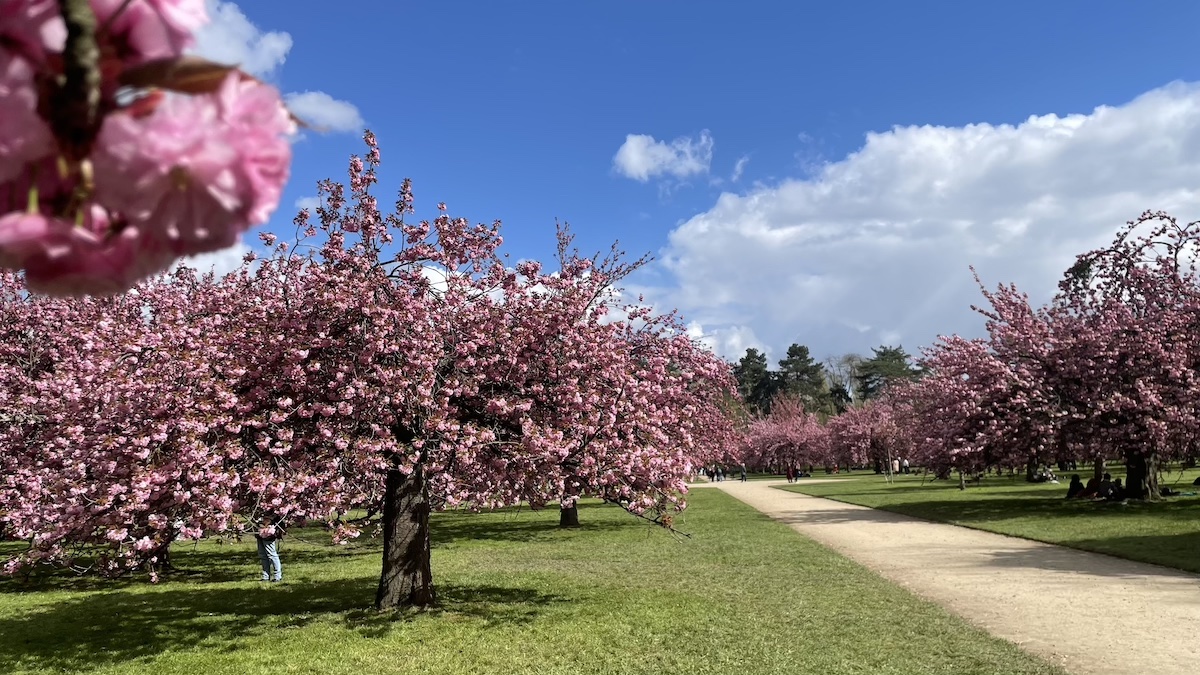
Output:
(962, 481)
(878, 465)
(1031, 467)
(406, 579)
(1141, 477)
(568, 516)
(1098, 469)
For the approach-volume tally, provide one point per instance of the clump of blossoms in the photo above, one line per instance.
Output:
(118, 154)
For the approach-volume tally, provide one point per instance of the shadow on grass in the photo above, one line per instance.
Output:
(455, 527)
(1121, 564)
(102, 629)
(202, 565)
(993, 509)
(215, 563)
(1021, 504)
(1176, 550)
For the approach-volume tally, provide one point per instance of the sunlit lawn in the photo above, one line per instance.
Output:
(1165, 533)
(744, 595)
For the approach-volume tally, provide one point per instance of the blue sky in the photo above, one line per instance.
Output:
(631, 120)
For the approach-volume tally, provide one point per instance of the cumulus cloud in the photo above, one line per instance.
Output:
(641, 157)
(232, 38)
(324, 112)
(874, 249)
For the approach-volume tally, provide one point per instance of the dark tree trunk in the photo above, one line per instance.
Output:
(568, 516)
(1098, 470)
(406, 579)
(1031, 467)
(878, 465)
(1141, 477)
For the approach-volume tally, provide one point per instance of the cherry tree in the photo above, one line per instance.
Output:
(1130, 363)
(1106, 371)
(373, 365)
(114, 434)
(870, 433)
(787, 436)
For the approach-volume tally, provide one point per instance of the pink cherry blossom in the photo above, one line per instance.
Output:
(33, 27)
(151, 29)
(192, 177)
(25, 137)
(156, 177)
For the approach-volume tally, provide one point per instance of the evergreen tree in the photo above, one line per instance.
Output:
(800, 375)
(887, 365)
(756, 383)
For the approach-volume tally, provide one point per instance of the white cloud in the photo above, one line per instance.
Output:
(874, 248)
(231, 38)
(729, 341)
(310, 203)
(739, 168)
(219, 263)
(324, 112)
(641, 157)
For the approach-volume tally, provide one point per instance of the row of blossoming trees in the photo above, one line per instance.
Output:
(1107, 371)
(864, 435)
(374, 372)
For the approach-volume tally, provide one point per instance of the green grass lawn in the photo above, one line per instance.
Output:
(744, 595)
(1165, 533)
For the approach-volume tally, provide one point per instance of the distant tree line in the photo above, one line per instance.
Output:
(827, 388)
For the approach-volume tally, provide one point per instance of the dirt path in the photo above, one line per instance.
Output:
(1092, 614)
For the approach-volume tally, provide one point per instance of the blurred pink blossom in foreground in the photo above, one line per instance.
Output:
(186, 159)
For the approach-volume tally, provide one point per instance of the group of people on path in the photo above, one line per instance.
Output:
(717, 472)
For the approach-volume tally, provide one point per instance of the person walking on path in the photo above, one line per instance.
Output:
(268, 552)
(743, 472)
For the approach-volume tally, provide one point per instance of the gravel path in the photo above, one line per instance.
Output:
(1090, 613)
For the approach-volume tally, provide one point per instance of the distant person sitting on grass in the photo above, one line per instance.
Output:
(1075, 489)
(1092, 489)
(1117, 492)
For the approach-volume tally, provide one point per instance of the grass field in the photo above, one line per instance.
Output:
(1164, 533)
(744, 595)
